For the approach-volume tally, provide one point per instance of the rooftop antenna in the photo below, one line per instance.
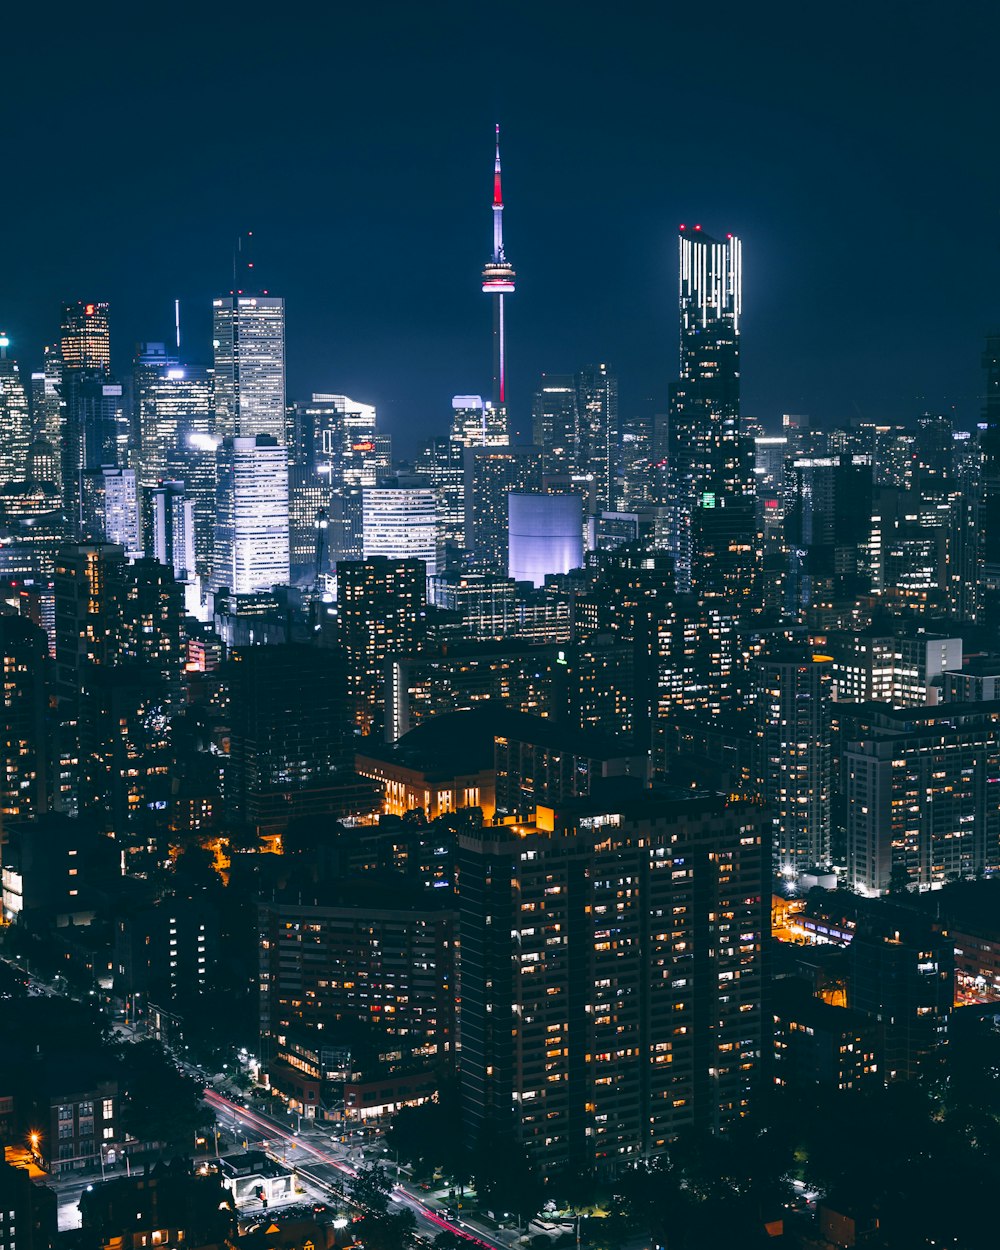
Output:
(242, 263)
(177, 323)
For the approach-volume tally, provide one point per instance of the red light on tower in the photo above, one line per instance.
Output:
(697, 227)
(681, 226)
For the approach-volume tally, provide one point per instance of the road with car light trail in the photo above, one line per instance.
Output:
(323, 1167)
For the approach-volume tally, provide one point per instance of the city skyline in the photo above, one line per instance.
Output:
(548, 744)
(601, 179)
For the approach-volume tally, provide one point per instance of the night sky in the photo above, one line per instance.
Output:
(854, 148)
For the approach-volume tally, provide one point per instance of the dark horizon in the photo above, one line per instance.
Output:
(363, 164)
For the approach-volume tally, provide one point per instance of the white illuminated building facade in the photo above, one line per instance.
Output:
(15, 426)
(401, 522)
(249, 341)
(251, 519)
(121, 510)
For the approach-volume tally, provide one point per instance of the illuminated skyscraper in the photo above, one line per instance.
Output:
(792, 705)
(249, 340)
(382, 607)
(400, 521)
(192, 461)
(556, 423)
(441, 463)
(25, 735)
(172, 530)
(597, 417)
(47, 405)
(85, 341)
(498, 282)
(42, 464)
(110, 508)
(251, 519)
(93, 402)
(475, 424)
(710, 462)
(172, 400)
(15, 423)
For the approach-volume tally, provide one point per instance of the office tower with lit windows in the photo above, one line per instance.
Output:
(599, 435)
(171, 528)
(250, 550)
(85, 337)
(172, 400)
(15, 419)
(441, 463)
(47, 405)
(350, 454)
(612, 976)
(400, 521)
(792, 711)
(340, 435)
(710, 461)
(308, 496)
(478, 424)
(92, 402)
(42, 463)
(828, 530)
(556, 423)
(25, 732)
(491, 473)
(248, 335)
(110, 505)
(642, 473)
(382, 607)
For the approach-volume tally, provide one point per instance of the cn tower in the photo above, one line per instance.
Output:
(498, 282)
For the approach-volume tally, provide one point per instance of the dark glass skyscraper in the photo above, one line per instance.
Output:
(597, 415)
(710, 463)
(989, 495)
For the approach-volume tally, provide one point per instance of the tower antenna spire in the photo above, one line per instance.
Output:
(498, 282)
(497, 196)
